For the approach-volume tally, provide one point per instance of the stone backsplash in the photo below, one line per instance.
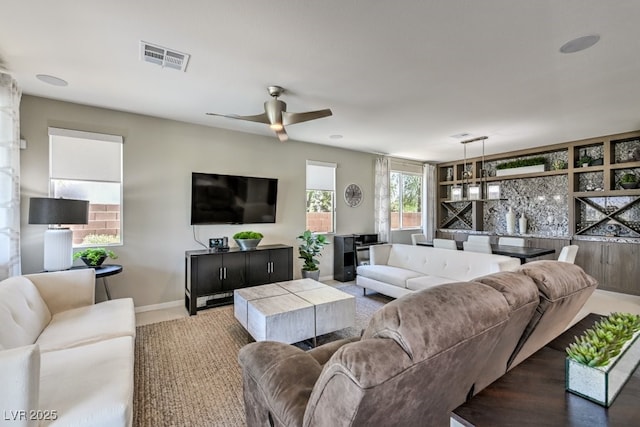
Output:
(542, 200)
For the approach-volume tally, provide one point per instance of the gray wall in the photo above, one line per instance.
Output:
(159, 156)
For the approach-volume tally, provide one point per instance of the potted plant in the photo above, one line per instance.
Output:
(247, 240)
(629, 181)
(309, 250)
(601, 360)
(558, 164)
(585, 161)
(94, 257)
(520, 166)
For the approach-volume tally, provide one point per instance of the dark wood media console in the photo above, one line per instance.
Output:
(211, 275)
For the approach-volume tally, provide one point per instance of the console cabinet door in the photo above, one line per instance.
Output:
(616, 266)
(258, 267)
(205, 275)
(233, 270)
(281, 264)
(589, 257)
(621, 267)
(267, 266)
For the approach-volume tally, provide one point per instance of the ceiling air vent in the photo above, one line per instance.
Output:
(162, 56)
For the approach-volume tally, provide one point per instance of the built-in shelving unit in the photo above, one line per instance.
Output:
(608, 159)
(602, 218)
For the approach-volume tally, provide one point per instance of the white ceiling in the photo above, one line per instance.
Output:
(401, 77)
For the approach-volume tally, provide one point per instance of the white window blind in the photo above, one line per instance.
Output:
(321, 175)
(406, 166)
(88, 156)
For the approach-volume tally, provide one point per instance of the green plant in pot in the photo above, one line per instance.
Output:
(309, 251)
(247, 240)
(520, 163)
(601, 360)
(628, 181)
(585, 161)
(94, 257)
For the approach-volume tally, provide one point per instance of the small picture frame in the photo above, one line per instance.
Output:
(493, 191)
(456, 193)
(475, 192)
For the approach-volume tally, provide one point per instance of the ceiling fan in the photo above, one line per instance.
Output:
(276, 115)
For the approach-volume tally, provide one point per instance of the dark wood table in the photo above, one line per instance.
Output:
(522, 253)
(533, 394)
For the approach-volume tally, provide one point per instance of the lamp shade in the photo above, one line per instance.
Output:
(44, 210)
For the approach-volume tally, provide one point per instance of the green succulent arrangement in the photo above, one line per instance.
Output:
(531, 161)
(248, 235)
(604, 341)
(94, 255)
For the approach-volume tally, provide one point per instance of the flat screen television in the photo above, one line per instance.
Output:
(232, 199)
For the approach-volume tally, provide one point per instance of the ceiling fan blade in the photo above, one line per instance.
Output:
(282, 135)
(293, 118)
(259, 118)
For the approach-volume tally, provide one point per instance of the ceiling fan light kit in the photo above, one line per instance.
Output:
(276, 115)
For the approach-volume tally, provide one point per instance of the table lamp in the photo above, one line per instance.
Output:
(58, 241)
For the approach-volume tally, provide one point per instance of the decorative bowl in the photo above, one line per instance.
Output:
(98, 263)
(247, 244)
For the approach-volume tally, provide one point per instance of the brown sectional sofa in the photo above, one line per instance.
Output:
(421, 355)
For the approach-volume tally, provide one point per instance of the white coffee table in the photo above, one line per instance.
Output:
(293, 311)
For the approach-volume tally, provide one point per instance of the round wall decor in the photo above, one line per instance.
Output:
(353, 195)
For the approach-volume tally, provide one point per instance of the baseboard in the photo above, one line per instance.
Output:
(161, 306)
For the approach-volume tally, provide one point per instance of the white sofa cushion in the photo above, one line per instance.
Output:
(424, 282)
(71, 328)
(89, 385)
(66, 289)
(20, 379)
(389, 274)
(23, 313)
(458, 265)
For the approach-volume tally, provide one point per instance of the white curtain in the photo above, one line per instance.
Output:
(9, 177)
(429, 215)
(382, 214)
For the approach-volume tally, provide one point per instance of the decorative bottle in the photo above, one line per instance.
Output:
(511, 221)
(523, 224)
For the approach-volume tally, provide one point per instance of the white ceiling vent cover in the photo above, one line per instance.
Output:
(164, 57)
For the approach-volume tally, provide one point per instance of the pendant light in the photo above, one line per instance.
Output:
(474, 191)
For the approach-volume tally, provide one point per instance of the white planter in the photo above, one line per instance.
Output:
(602, 384)
(518, 171)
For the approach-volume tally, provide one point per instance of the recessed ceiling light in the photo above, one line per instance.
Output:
(335, 136)
(52, 80)
(581, 43)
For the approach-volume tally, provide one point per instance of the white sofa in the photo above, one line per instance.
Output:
(64, 360)
(396, 270)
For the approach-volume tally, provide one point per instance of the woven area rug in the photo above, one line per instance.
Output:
(187, 372)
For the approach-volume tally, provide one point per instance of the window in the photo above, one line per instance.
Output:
(406, 200)
(321, 191)
(88, 166)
